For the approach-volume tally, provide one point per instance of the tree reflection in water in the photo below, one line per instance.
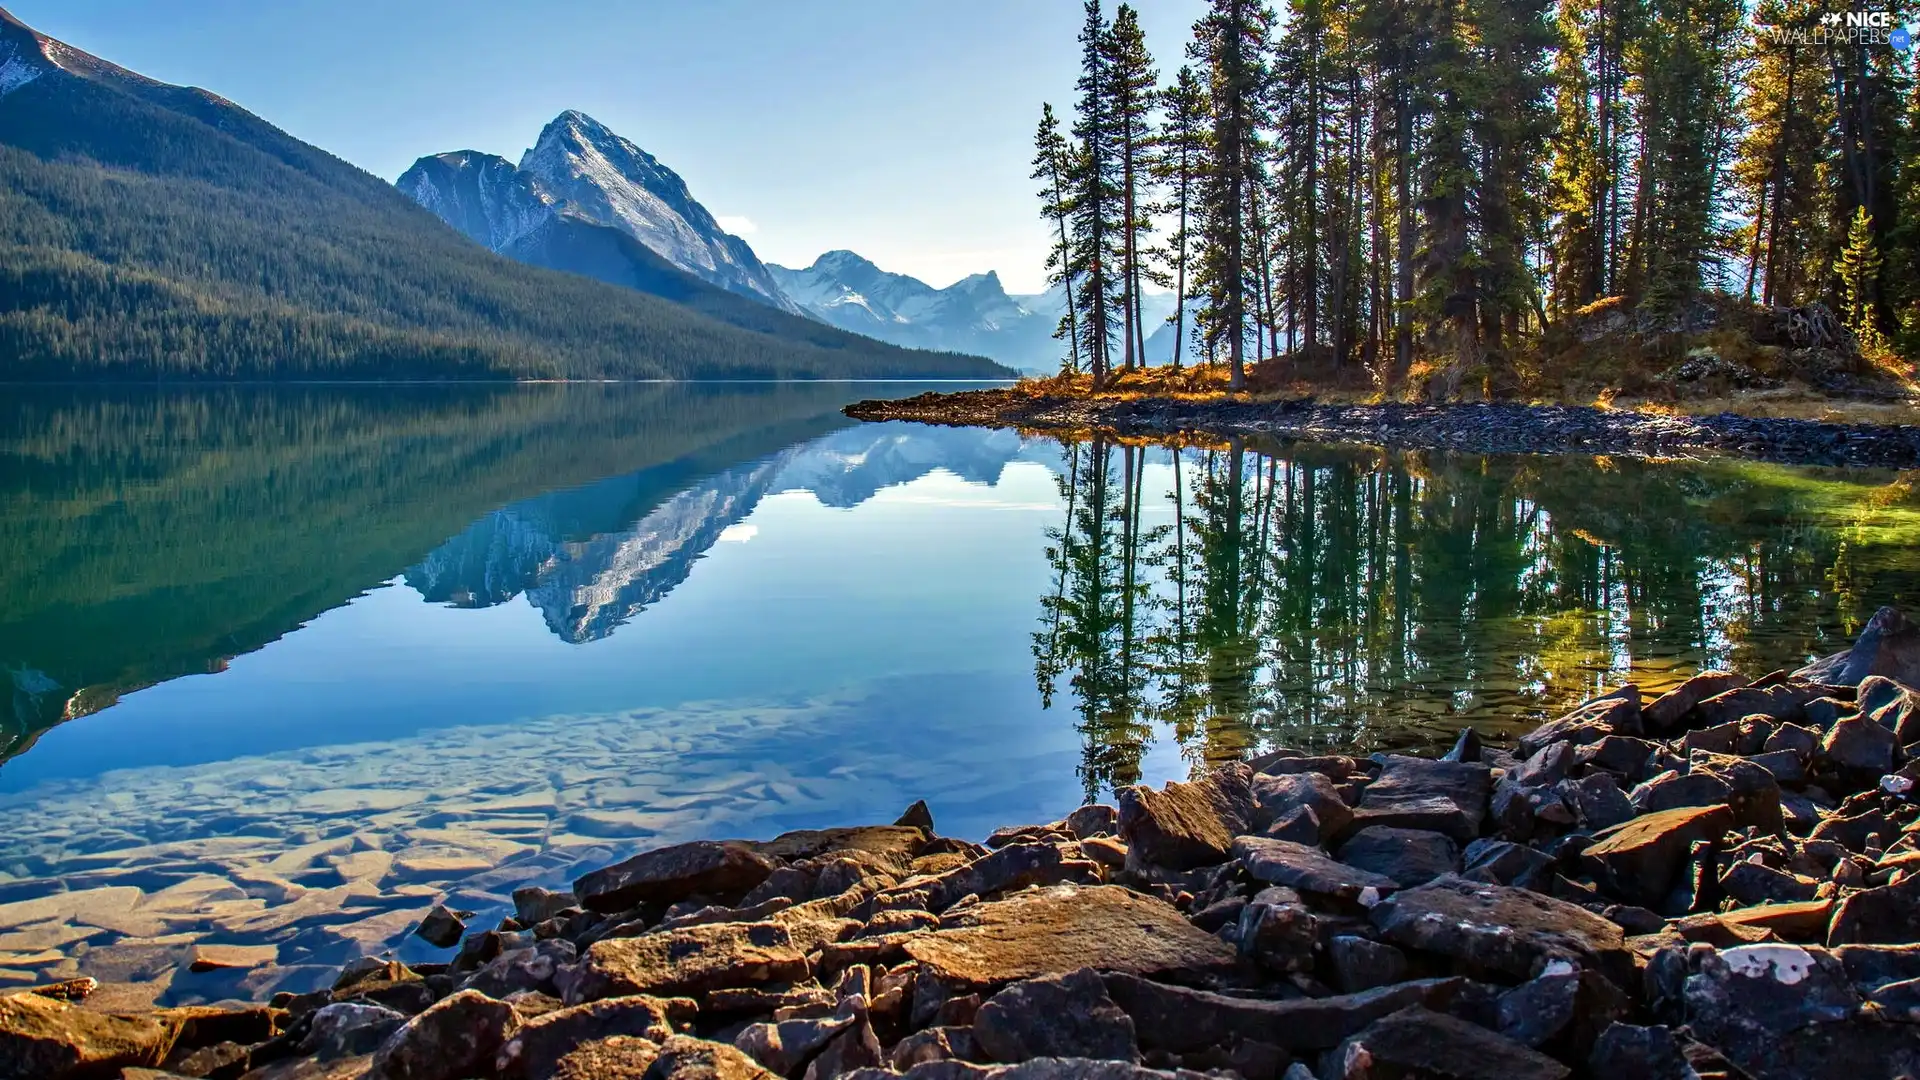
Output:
(1234, 598)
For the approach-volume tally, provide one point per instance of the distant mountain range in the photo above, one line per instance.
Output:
(156, 231)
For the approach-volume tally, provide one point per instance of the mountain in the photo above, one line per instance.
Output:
(974, 314)
(578, 176)
(155, 231)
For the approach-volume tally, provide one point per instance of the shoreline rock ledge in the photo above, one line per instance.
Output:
(1723, 881)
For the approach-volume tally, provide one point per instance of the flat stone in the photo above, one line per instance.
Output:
(537, 1047)
(1756, 883)
(1179, 1020)
(44, 1038)
(904, 841)
(1495, 927)
(533, 905)
(1441, 796)
(1094, 819)
(1670, 708)
(1418, 1042)
(1183, 826)
(692, 960)
(1409, 856)
(1275, 797)
(1752, 792)
(933, 1044)
(1887, 915)
(459, 1036)
(686, 1058)
(205, 958)
(1873, 966)
(670, 874)
(1062, 929)
(1640, 860)
(1066, 1015)
(619, 1057)
(1310, 870)
(1617, 713)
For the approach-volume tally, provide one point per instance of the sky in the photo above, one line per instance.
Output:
(898, 129)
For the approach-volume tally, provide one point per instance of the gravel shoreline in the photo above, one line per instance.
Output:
(1720, 882)
(1477, 428)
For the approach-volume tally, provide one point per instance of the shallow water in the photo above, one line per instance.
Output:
(287, 665)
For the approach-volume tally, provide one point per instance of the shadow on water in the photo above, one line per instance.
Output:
(1356, 599)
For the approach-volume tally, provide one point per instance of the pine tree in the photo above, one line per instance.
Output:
(1179, 154)
(1859, 271)
(1232, 42)
(1577, 206)
(1130, 83)
(1097, 224)
(1052, 161)
(1788, 111)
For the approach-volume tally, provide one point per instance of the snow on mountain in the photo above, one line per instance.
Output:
(580, 171)
(610, 180)
(973, 315)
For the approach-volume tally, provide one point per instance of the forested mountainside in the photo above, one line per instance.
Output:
(154, 231)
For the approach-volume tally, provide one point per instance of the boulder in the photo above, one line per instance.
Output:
(1641, 859)
(533, 905)
(671, 874)
(1873, 966)
(1066, 1015)
(898, 842)
(933, 1044)
(1749, 883)
(1310, 870)
(1672, 790)
(619, 1057)
(1889, 646)
(1409, 856)
(1598, 802)
(537, 1047)
(1617, 713)
(1503, 862)
(1644, 1053)
(1887, 915)
(459, 1036)
(918, 816)
(1094, 819)
(1669, 709)
(1440, 796)
(1622, 755)
(693, 960)
(1277, 931)
(854, 1048)
(1015, 866)
(1778, 702)
(1184, 826)
(684, 1057)
(1860, 746)
(442, 928)
(348, 1029)
(1893, 706)
(1498, 928)
(1357, 963)
(788, 1046)
(1753, 794)
(47, 1039)
(1418, 1042)
(1178, 1020)
(1780, 1011)
(1277, 797)
(1058, 930)
(521, 970)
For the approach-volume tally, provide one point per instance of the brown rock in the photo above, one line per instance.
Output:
(1054, 931)
(787, 1046)
(918, 816)
(1277, 796)
(1889, 645)
(1441, 796)
(1178, 1020)
(1501, 928)
(686, 1058)
(899, 841)
(1641, 859)
(1310, 870)
(1617, 713)
(458, 1037)
(621, 1057)
(670, 874)
(1184, 826)
(694, 960)
(1887, 915)
(43, 1039)
(1670, 708)
(536, 1048)
(1781, 701)
(1417, 1042)
(1056, 1016)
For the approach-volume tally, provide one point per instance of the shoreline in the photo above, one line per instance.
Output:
(1468, 428)
(1726, 877)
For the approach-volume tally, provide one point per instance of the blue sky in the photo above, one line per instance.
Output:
(900, 129)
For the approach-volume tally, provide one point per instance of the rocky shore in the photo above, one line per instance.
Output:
(1478, 428)
(1723, 881)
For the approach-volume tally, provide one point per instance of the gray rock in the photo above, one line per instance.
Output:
(1409, 856)
(1277, 798)
(1622, 755)
(1277, 931)
(1441, 796)
(523, 970)
(1670, 708)
(1498, 928)
(1756, 883)
(1752, 792)
(1886, 915)
(1094, 819)
(1066, 1015)
(1598, 801)
(854, 1048)
(1184, 826)
(1670, 791)
(1359, 963)
(1644, 1053)
(537, 1047)
(442, 928)
(1300, 826)
(349, 1029)
(1502, 862)
(459, 1036)
(1779, 1011)
(1893, 706)
(1179, 1020)
(1641, 859)
(1309, 870)
(1417, 1042)
(933, 1044)
(1889, 645)
(670, 874)
(1860, 746)
(788, 1046)
(1617, 713)
(1874, 966)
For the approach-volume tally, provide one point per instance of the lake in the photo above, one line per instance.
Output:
(284, 666)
